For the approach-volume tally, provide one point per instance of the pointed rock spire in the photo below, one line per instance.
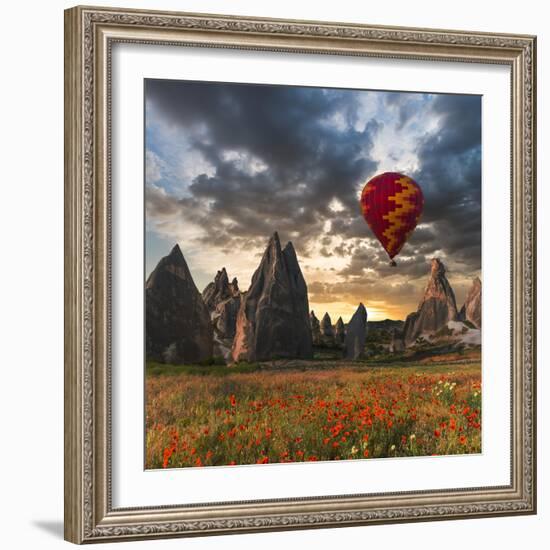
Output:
(437, 308)
(176, 252)
(356, 334)
(315, 329)
(217, 291)
(174, 263)
(234, 286)
(471, 310)
(273, 320)
(439, 288)
(339, 331)
(223, 300)
(326, 326)
(177, 323)
(327, 331)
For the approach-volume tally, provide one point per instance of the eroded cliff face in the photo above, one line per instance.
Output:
(177, 322)
(273, 319)
(437, 308)
(471, 310)
(223, 300)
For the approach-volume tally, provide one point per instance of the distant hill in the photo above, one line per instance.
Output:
(386, 324)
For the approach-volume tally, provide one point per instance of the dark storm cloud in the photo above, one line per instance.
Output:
(305, 161)
(450, 175)
(280, 155)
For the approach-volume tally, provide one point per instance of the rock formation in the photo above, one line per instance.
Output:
(177, 323)
(224, 317)
(223, 300)
(459, 334)
(327, 332)
(315, 329)
(471, 310)
(437, 308)
(218, 290)
(339, 332)
(356, 333)
(273, 319)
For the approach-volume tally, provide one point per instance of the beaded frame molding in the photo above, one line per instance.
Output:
(89, 36)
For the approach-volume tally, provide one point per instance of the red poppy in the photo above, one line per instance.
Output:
(167, 454)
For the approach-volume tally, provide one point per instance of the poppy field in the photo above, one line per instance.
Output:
(207, 416)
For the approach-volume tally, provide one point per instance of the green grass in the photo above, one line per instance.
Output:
(152, 368)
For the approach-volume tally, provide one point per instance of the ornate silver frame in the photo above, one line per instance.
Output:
(89, 35)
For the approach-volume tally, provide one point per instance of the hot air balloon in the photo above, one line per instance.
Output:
(392, 205)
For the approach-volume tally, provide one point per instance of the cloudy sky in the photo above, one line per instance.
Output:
(228, 164)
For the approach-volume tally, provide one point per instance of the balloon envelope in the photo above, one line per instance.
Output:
(392, 205)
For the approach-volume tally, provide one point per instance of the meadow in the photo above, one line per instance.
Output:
(252, 414)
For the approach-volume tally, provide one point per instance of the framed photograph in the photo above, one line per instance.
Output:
(300, 274)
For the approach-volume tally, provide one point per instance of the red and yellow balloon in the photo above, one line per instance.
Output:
(392, 204)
